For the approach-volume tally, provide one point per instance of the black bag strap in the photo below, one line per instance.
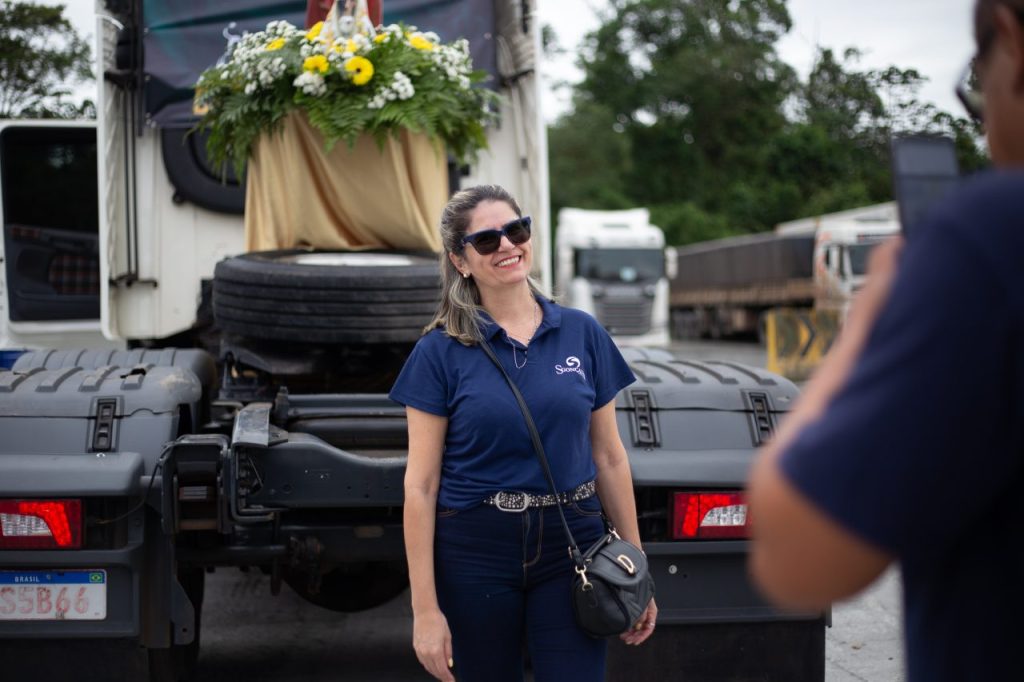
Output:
(538, 447)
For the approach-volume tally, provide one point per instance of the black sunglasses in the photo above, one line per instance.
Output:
(967, 92)
(967, 87)
(487, 242)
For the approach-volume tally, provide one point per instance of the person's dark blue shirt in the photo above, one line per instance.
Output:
(571, 368)
(922, 452)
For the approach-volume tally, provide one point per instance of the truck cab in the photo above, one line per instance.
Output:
(842, 242)
(612, 265)
(841, 252)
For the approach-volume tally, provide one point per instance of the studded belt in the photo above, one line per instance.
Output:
(514, 501)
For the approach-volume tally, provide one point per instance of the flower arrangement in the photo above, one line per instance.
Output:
(377, 83)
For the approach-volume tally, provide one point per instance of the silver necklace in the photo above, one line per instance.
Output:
(515, 356)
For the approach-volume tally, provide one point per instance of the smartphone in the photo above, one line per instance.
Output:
(924, 168)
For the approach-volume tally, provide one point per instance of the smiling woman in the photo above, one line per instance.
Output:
(476, 500)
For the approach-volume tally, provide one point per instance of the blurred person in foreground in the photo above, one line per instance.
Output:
(908, 444)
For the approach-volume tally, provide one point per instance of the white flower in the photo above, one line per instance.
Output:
(311, 83)
(402, 86)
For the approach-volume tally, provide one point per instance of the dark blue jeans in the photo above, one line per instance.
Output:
(503, 580)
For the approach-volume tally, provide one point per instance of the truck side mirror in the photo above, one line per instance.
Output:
(671, 262)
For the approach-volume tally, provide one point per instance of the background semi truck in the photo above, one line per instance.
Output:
(612, 265)
(176, 406)
(725, 286)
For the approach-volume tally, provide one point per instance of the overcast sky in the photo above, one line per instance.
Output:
(932, 36)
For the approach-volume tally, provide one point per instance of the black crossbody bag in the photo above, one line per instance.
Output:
(613, 585)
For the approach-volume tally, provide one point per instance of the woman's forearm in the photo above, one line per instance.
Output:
(615, 488)
(418, 526)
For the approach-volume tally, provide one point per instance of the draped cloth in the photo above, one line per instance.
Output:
(297, 194)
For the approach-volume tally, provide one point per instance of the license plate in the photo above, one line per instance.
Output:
(53, 595)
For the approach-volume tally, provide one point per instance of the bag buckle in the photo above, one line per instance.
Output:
(626, 563)
(582, 573)
(511, 502)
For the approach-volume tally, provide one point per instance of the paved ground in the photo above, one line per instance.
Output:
(865, 643)
(249, 635)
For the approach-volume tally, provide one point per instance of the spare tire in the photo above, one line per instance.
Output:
(327, 296)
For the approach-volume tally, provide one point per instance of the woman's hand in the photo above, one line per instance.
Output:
(432, 641)
(643, 628)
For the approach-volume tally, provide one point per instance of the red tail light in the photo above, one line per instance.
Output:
(709, 515)
(40, 524)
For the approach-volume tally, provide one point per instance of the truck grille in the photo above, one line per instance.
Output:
(627, 317)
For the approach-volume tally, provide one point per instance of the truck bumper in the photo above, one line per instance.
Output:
(123, 567)
(781, 651)
(707, 582)
(713, 626)
(78, 475)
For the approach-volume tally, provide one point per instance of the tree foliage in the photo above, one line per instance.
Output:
(41, 59)
(686, 107)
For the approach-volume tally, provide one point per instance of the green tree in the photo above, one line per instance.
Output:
(686, 108)
(41, 59)
(693, 88)
(590, 139)
(837, 148)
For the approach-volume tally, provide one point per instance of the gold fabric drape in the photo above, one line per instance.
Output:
(364, 197)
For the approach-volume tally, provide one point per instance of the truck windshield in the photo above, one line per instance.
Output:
(620, 265)
(859, 254)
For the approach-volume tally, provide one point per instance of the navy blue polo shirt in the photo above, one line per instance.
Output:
(571, 368)
(922, 452)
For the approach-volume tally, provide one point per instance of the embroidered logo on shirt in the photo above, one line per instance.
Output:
(572, 364)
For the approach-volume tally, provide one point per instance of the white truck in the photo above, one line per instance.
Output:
(175, 405)
(842, 242)
(612, 265)
(724, 287)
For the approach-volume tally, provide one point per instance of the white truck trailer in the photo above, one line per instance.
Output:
(724, 287)
(612, 265)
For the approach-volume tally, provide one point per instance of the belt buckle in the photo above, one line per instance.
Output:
(511, 502)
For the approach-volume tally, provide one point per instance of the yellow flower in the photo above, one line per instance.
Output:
(275, 44)
(380, 37)
(317, 62)
(314, 31)
(350, 46)
(421, 43)
(361, 69)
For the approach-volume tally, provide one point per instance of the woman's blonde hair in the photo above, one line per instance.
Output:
(459, 310)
